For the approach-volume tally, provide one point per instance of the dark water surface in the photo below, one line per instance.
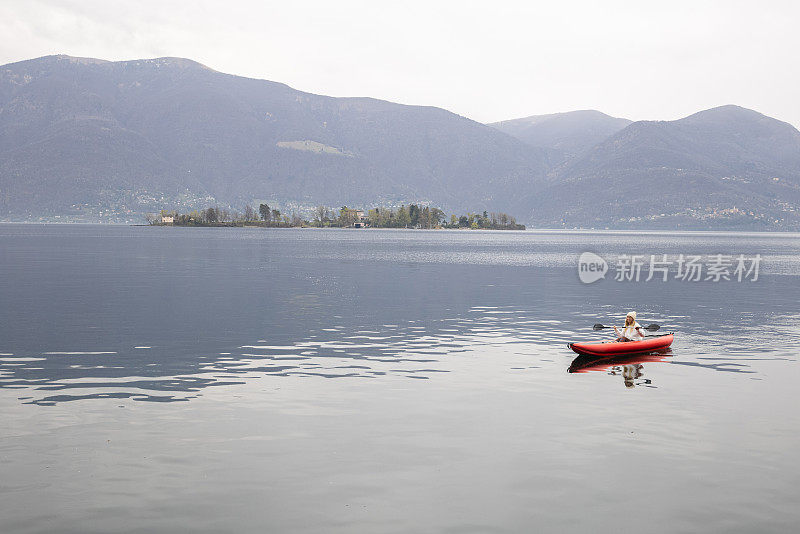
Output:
(252, 380)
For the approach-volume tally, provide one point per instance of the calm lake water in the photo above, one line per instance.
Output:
(255, 380)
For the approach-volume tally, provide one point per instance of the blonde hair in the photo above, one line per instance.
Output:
(633, 321)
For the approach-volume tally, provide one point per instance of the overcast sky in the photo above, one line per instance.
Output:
(486, 60)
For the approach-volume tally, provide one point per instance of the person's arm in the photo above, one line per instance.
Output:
(641, 332)
(616, 331)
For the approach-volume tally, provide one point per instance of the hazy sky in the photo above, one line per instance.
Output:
(485, 60)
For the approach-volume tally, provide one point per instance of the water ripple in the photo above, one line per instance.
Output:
(505, 335)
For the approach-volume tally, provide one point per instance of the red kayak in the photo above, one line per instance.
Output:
(623, 347)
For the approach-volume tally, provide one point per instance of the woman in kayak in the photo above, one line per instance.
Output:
(632, 330)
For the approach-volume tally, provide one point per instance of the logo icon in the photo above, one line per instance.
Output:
(591, 267)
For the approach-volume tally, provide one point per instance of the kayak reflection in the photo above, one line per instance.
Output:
(630, 367)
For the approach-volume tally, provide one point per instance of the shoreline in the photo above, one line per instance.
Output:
(653, 231)
(324, 227)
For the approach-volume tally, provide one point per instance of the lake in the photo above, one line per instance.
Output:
(157, 379)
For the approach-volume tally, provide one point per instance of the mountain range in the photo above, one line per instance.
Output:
(569, 133)
(723, 167)
(92, 140)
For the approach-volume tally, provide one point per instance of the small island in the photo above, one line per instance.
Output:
(412, 217)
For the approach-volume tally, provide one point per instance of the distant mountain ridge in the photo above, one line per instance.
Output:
(571, 133)
(83, 134)
(727, 166)
(87, 139)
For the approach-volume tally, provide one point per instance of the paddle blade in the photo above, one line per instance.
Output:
(598, 326)
(652, 327)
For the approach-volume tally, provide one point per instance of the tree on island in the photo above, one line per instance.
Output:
(347, 216)
(415, 216)
(264, 211)
(250, 214)
(403, 219)
(323, 216)
(211, 215)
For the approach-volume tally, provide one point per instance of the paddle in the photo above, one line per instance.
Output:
(651, 327)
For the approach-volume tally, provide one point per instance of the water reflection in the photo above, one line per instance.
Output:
(162, 317)
(415, 350)
(501, 337)
(584, 363)
(629, 367)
